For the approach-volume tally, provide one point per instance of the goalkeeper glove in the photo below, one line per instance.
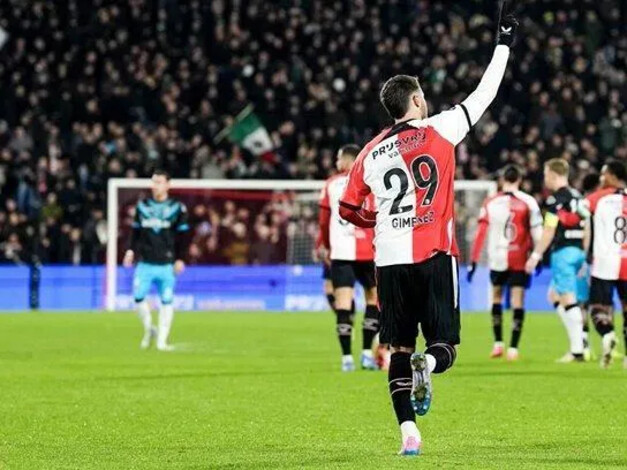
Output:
(471, 272)
(506, 34)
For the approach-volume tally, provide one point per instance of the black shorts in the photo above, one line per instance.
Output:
(425, 294)
(510, 278)
(345, 273)
(326, 272)
(602, 291)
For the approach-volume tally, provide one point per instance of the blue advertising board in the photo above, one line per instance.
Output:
(246, 288)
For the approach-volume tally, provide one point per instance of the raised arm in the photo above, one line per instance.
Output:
(455, 123)
(479, 100)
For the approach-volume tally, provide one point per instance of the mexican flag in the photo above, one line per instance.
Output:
(248, 132)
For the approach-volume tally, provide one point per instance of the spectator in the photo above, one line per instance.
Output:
(93, 90)
(237, 248)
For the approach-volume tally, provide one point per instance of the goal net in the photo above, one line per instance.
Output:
(250, 244)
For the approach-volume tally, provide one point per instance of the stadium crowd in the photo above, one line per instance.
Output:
(92, 90)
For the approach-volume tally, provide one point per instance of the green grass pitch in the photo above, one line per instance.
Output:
(263, 391)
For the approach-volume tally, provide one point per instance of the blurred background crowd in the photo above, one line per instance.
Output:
(110, 88)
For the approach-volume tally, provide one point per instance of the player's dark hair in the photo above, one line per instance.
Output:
(350, 150)
(511, 173)
(590, 182)
(160, 172)
(617, 168)
(396, 92)
(558, 166)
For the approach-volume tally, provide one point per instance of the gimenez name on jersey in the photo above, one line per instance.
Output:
(414, 221)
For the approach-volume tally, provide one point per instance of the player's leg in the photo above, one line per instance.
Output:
(566, 264)
(399, 328)
(165, 285)
(583, 297)
(518, 307)
(142, 281)
(328, 285)
(365, 272)
(601, 292)
(497, 279)
(586, 312)
(437, 308)
(343, 277)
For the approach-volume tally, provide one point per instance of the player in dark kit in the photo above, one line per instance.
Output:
(563, 232)
(410, 168)
(157, 245)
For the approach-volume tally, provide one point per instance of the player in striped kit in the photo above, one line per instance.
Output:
(410, 169)
(351, 253)
(608, 207)
(512, 222)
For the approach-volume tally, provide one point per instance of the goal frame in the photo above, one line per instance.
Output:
(115, 184)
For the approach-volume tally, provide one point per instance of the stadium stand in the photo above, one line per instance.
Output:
(92, 90)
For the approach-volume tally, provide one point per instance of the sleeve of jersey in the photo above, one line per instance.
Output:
(592, 201)
(133, 244)
(180, 241)
(454, 124)
(355, 193)
(482, 232)
(535, 222)
(324, 201)
(182, 223)
(324, 220)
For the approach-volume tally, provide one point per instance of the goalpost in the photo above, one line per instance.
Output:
(290, 208)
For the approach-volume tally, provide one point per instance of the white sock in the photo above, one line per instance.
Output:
(347, 358)
(409, 429)
(606, 341)
(431, 362)
(367, 352)
(574, 327)
(166, 313)
(562, 314)
(143, 310)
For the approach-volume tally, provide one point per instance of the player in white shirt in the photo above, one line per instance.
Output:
(351, 254)
(512, 222)
(608, 229)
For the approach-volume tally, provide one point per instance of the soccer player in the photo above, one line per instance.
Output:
(410, 168)
(352, 253)
(157, 245)
(608, 207)
(563, 232)
(512, 222)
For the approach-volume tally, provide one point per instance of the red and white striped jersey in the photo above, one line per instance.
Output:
(609, 231)
(346, 241)
(512, 222)
(410, 169)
